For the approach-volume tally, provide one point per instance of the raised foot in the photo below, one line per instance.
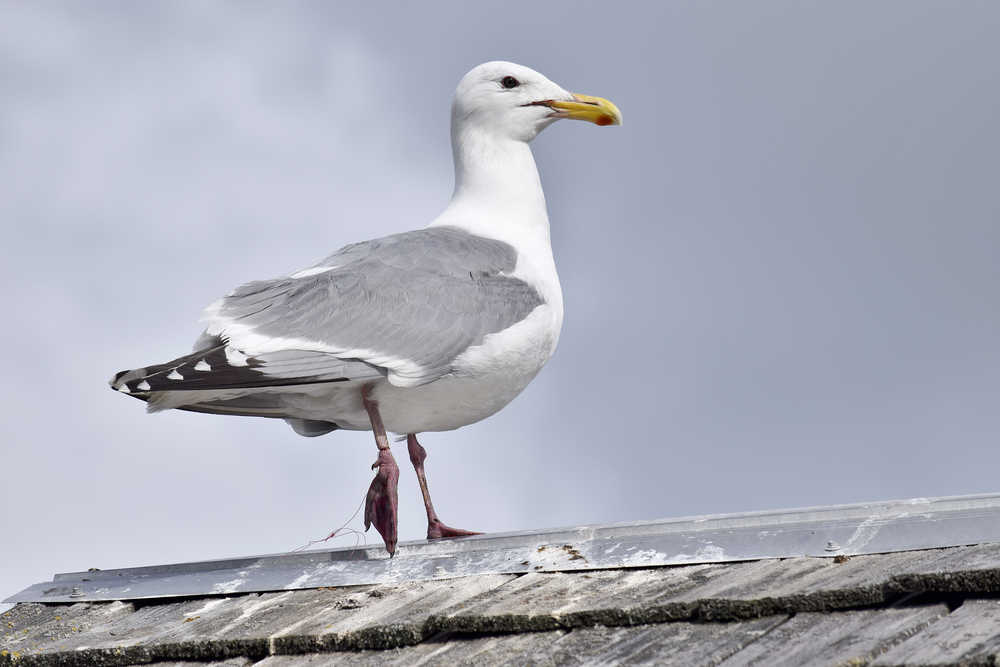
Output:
(437, 530)
(382, 502)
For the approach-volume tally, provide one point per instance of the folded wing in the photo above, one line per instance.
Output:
(408, 304)
(403, 307)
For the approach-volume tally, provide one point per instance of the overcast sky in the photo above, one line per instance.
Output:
(780, 274)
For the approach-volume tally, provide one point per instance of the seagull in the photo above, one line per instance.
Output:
(425, 330)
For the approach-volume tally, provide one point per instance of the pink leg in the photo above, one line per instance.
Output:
(435, 528)
(382, 501)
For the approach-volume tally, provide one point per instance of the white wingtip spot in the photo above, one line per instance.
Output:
(202, 366)
(235, 357)
(124, 388)
(142, 386)
(174, 375)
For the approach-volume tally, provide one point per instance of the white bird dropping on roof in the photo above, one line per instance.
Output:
(425, 330)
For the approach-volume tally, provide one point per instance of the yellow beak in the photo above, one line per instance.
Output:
(597, 110)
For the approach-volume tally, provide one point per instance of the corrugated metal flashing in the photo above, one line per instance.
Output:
(843, 530)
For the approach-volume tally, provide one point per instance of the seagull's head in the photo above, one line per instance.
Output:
(517, 102)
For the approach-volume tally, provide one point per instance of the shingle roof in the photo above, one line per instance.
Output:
(927, 606)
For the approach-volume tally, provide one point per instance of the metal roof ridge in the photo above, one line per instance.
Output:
(851, 529)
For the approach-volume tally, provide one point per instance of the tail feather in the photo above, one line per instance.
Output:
(256, 405)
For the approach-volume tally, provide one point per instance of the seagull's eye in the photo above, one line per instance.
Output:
(509, 82)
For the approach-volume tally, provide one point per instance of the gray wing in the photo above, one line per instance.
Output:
(408, 303)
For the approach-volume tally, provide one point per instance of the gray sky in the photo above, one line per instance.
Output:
(780, 274)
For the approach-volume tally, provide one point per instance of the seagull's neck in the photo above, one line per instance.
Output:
(498, 193)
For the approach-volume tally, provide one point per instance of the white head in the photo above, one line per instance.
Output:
(515, 102)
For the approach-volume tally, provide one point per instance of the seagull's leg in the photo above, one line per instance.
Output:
(435, 528)
(381, 503)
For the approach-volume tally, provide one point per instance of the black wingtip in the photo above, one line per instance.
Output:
(118, 376)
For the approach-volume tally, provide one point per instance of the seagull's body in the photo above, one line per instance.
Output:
(427, 330)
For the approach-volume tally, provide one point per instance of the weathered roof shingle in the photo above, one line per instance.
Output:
(920, 607)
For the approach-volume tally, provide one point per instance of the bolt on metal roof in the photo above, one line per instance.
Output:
(841, 530)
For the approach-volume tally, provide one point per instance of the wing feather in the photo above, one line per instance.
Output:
(223, 367)
(408, 303)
